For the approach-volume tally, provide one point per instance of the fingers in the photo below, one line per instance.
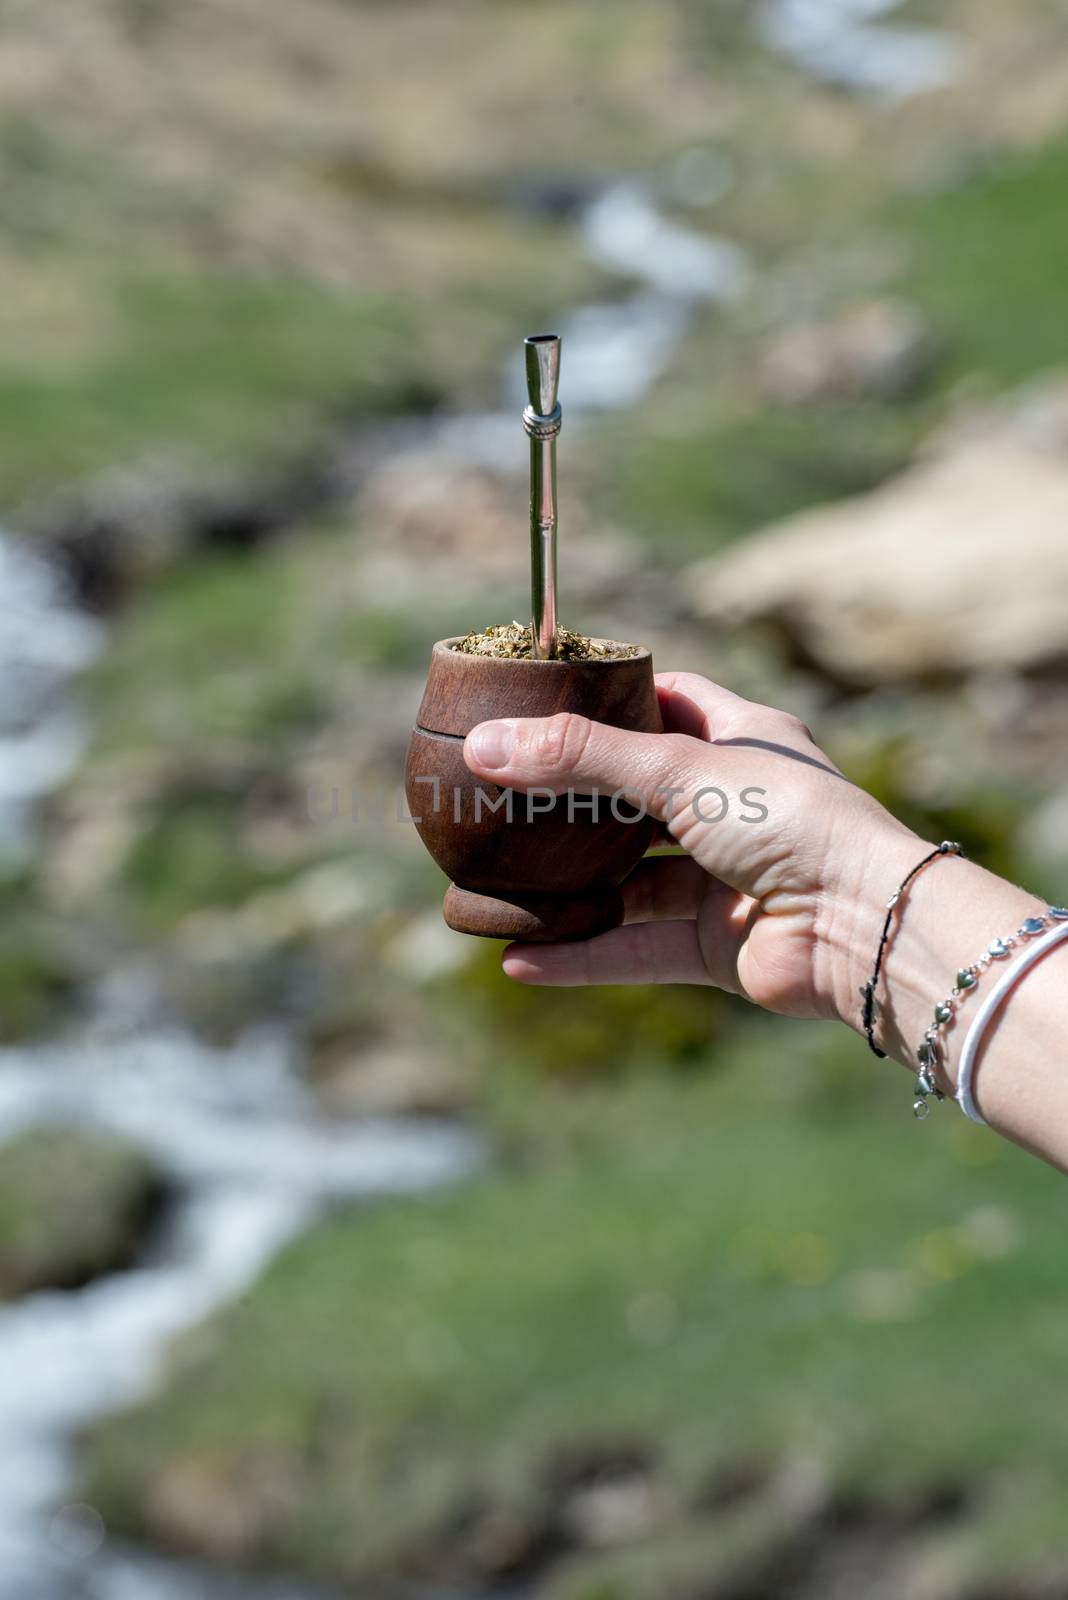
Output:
(681, 927)
(697, 706)
(709, 777)
(664, 889)
(676, 887)
(648, 952)
(694, 705)
(571, 752)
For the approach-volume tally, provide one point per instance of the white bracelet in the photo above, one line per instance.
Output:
(965, 1095)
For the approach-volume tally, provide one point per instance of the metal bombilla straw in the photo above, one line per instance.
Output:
(541, 419)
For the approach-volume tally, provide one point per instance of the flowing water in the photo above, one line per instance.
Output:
(235, 1131)
(846, 43)
(252, 1162)
(614, 350)
(43, 643)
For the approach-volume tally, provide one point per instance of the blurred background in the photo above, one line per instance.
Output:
(330, 1264)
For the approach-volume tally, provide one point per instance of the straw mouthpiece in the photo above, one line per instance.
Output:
(543, 371)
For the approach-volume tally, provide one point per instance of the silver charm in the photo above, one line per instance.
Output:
(876, 1005)
(967, 978)
(925, 1083)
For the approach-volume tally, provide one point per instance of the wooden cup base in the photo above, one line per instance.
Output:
(537, 919)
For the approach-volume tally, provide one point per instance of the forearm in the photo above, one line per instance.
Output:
(949, 915)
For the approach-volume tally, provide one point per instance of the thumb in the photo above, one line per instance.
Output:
(568, 751)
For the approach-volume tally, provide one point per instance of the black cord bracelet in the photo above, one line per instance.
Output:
(946, 848)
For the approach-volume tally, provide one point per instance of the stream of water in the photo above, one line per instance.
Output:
(614, 350)
(235, 1131)
(43, 643)
(253, 1162)
(847, 44)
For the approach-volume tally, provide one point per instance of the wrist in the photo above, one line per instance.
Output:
(880, 855)
(946, 917)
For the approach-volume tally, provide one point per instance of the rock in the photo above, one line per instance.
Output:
(616, 1510)
(879, 351)
(73, 1207)
(318, 902)
(426, 948)
(37, 975)
(1034, 416)
(225, 1509)
(956, 566)
(123, 527)
(389, 1082)
(431, 504)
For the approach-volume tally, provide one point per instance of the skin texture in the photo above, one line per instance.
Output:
(786, 908)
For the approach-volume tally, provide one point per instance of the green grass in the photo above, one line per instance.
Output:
(199, 660)
(218, 681)
(723, 1266)
(574, 1033)
(189, 856)
(217, 370)
(34, 980)
(224, 283)
(701, 481)
(249, 648)
(986, 266)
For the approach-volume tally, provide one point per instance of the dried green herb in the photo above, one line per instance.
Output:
(513, 640)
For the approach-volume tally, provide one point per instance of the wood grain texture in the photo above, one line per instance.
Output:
(543, 866)
(537, 919)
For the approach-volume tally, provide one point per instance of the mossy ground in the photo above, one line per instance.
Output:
(73, 1206)
(34, 976)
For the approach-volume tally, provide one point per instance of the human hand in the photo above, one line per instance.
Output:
(781, 849)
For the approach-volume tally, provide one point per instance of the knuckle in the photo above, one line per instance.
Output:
(559, 741)
(689, 761)
(769, 722)
(737, 720)
(789, 723)
(801, 728)
(684, 750)
(685, 826)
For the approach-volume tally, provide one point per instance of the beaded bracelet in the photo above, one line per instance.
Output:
(929, 1053)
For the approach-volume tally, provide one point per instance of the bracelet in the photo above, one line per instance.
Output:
(1056, 929)
(1054, 921)
(871, 1010)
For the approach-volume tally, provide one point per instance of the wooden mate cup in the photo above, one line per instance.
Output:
(534, 866)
